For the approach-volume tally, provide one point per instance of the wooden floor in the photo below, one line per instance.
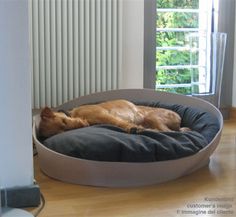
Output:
(211, 190)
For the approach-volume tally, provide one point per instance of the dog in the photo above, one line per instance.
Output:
(120, 113)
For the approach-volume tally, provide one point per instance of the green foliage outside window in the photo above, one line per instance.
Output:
(174, 39)
(190, 4)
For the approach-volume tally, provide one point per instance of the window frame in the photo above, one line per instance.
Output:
(149, 57)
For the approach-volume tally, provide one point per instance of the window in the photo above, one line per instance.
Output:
(183, 41)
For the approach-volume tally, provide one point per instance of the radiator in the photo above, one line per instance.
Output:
(76, 48)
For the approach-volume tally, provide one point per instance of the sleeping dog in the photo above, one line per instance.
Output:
(120, 113)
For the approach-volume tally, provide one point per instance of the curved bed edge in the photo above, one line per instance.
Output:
(122, 174)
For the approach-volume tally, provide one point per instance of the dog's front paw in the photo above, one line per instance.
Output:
(184, 129)
(84, 123)
(134, 129)
(78, 123)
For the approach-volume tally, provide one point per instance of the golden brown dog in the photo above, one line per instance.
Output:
(120, 113)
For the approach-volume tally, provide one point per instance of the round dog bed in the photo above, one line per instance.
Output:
(104, 155)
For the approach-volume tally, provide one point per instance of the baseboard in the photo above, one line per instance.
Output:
(232, 113)
(20, 197)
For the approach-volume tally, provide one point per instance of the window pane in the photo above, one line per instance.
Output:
(182, 90)
(177, 20)
(181, 77)
(190, 4)
(177, 76)
(175, 57)
(164, 39)
(182, 45)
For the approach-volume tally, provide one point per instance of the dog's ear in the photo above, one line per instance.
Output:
(46, 113)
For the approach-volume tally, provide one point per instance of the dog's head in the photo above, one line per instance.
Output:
(52, 123)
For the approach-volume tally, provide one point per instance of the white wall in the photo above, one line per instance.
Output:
(133, 38)
(234, 70)
(234, 76)
(16, 161)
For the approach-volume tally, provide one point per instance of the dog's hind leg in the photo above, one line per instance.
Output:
(162, 122)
